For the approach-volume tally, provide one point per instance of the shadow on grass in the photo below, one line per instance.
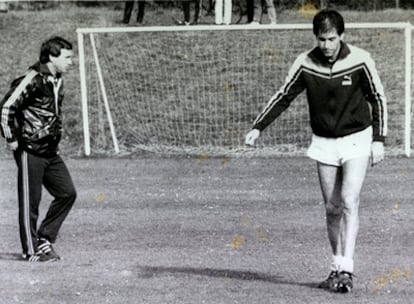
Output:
(4, 256)
(150, 271)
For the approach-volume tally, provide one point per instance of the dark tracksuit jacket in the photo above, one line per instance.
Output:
(338, 94)
(31, 115)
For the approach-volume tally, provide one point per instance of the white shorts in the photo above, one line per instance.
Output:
(336, 151)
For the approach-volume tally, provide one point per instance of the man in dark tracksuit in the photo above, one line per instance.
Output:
(31, 122)
(348, 117)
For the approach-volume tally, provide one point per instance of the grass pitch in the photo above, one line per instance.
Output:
(189, 230)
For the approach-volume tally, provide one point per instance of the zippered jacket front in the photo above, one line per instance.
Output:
(31, 111)
(344, 97)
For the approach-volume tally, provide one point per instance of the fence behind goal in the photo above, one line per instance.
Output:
(197, 90)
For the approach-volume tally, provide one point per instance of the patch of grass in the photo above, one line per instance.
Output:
(154, 230)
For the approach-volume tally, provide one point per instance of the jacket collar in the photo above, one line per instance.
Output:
(43, 69)
(317, 56)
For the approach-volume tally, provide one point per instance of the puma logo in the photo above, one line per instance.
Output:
(347, 81)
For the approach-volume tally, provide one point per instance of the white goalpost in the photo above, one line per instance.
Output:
(196, 90)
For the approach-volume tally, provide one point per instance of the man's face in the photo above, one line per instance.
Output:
(329, 43)
(63, 61)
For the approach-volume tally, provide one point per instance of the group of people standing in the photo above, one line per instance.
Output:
(222, 10)
(348, 118)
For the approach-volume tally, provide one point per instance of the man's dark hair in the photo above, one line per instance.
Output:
(52, 47)
(326, 20)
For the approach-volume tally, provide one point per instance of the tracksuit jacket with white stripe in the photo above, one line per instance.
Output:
(31, 111)
(344, 97)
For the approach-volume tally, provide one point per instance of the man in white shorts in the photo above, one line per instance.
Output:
(336, 151)
(348, 117)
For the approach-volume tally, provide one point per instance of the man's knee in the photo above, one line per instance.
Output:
(70, 194)
(73, 194)
(350, 204)
(334, 209)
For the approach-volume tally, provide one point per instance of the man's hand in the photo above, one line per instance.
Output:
(12, 146)
(251, 137)
(377, 152)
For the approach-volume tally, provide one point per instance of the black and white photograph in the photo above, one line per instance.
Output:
(206, 151)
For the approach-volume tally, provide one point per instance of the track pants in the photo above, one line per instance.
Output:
(129, 5)
(33, 173)
(253, 15)
(223, 11)
(197, 10)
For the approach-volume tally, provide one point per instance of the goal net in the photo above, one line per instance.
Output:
(197, 90)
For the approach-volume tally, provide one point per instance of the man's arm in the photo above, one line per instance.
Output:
(279, 102)
(374, 93)
(10, 104)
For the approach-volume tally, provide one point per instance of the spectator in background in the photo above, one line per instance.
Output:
(255, 17)
(271, 10)
(223, 14)
(186, 11)
(4, 6)
(210, 8)
(129, 5)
